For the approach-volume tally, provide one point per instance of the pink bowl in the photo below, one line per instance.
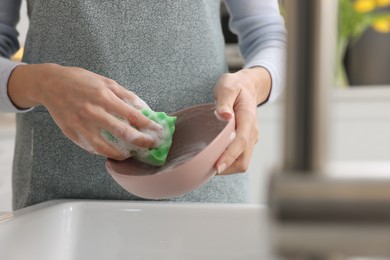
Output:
(199, 140)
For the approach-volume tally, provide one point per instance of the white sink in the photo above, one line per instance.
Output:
(96, 230)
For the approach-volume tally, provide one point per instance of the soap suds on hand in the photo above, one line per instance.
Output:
(83, 143)
(163, 136)
(137, 103)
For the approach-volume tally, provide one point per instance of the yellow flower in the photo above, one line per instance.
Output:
(382, 3)
(18, 55)
(382, 24)
(364, 6)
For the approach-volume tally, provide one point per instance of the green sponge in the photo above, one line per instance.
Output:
(158, 156)
(152, 156)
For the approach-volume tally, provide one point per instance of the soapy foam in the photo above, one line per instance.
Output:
(158, 127)
(118, 145)
(160, 135)
(127, 148)
(131, 136)
(137, 103)
(157, 131)
(140, 104)
(83, 143)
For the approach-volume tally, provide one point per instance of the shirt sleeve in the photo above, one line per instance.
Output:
(262, 37)
(9, 17)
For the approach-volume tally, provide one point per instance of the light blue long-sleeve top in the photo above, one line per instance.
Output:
(258, 24)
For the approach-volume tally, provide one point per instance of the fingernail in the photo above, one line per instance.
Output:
(221, 168)
(224, 114)
(226, 111)
(227, 114)
(218, 116)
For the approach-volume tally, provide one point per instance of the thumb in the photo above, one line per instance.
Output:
(225, 98)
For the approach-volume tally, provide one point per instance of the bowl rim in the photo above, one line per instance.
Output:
(229, 123)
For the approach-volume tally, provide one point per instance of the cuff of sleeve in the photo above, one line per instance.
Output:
(6, 68)
(277, 77)
(275, 91)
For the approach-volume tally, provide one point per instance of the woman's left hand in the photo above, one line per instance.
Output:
(237, 96)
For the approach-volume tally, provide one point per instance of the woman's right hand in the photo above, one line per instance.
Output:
(84, 104)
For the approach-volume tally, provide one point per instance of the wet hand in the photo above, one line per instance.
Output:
(84, 105)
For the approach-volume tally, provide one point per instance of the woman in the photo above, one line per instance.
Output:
(86, 60)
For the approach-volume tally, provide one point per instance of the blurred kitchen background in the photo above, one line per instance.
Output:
(359, 122)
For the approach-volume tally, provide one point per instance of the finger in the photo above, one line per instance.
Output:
(130, 98)
(234, 150)
(240, 165)
(126, 133)
(122, 130)
(78, 139)
(245, 131)
(94, 143)
(132, 115)
(225, 96)
(126, 105)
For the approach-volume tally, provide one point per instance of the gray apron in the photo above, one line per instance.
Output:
(170, 53)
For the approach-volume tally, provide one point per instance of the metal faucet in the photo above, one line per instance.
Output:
(317, 216)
